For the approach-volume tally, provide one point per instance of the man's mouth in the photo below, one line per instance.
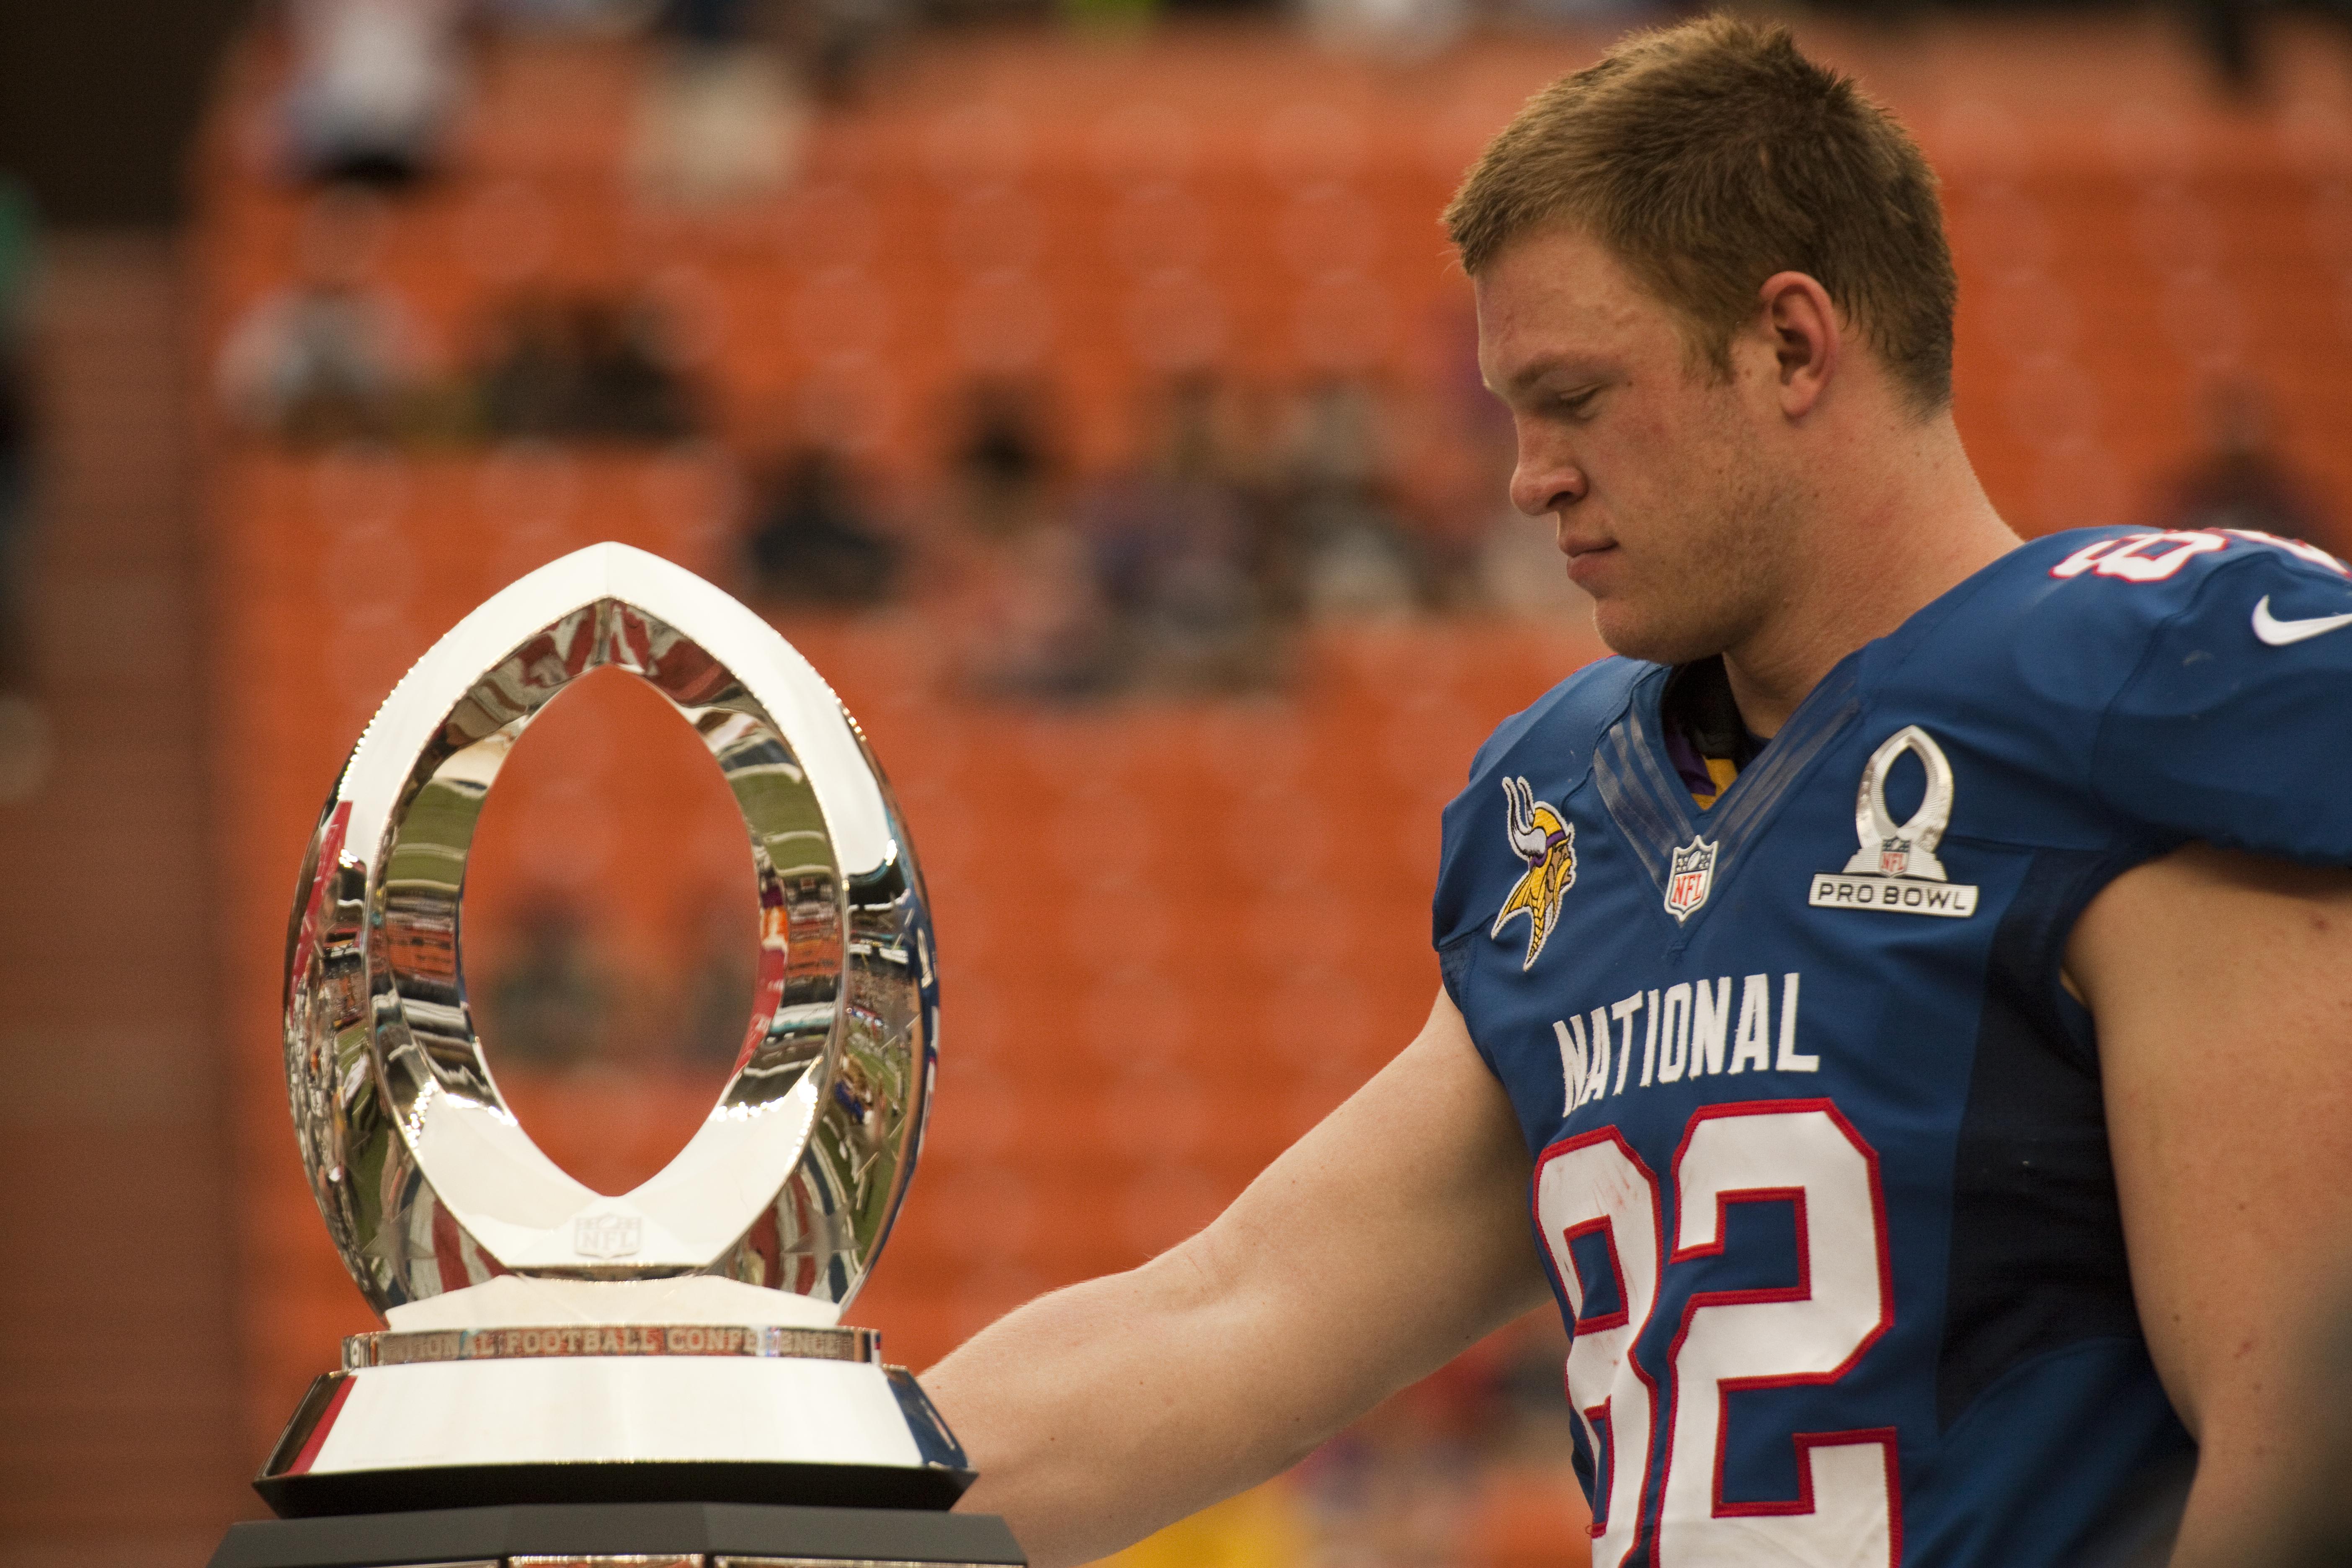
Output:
(1586, 558)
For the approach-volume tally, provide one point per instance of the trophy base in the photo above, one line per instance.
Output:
(547, 1416)
(644, 1535)
(321, 1494)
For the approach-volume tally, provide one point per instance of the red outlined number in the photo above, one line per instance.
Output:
(1804, 1153)
(1801, 1152)
(2140, 557)
(2154, 557)
(1589, 1184)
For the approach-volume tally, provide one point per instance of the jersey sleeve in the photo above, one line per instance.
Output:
(2235, 726)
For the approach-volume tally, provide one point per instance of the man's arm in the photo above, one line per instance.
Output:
(1383, 1243)
(2222, 987)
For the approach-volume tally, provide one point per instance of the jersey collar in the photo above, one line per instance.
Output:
(1638, 783)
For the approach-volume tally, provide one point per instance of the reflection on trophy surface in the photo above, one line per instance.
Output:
(547, 1344)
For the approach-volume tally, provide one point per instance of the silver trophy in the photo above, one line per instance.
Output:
(545, 1344)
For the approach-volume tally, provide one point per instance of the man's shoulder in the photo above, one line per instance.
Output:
(2065, 623)
(1547, 748)
(1558, 730)
(2169, 683)
(2090, 584)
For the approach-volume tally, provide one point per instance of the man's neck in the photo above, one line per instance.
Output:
(1880, 553)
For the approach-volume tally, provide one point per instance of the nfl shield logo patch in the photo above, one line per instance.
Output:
(1690, 878)
(1895, 858)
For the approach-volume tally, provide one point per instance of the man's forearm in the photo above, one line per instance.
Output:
(1098, 1413)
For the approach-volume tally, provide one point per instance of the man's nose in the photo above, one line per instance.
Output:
(1545, 482)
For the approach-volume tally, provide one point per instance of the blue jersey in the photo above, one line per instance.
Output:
(1821, 1170)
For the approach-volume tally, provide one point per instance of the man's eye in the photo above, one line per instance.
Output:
(1577, 402)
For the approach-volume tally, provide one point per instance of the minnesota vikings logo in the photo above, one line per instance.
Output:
(1546, 842)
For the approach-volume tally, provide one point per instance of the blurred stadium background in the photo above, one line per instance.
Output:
(1089, 391)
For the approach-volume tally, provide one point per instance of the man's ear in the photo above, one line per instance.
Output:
(1808, 340)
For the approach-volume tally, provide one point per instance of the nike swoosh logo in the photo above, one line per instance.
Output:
(2278, 633)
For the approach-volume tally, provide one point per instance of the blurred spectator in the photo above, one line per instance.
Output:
(812, 540)
(1179, 546)
(2227, 29)
(530, 386)
(1610, 15)
(713, 24)
(590, 16)
(583, 370)
(836, 38)
(330, 356)
(1396, 29)
(374, 84)
(17, 264)
(630, 387)
(722, 113)
(1045, 630)
(548, 1005)
(1002, 468)
(1039, 623)
(2242, 483)
(25, 745)
(1111, 17)
(320, 364)
(1348, 553)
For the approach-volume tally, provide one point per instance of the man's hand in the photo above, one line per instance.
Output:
(2222, 987)
(1382, 1244)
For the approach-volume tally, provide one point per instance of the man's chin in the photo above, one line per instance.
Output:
(1628, 631)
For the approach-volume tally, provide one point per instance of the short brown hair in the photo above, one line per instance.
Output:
(1707, 157)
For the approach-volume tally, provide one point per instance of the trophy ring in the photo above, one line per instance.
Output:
(547, 1342)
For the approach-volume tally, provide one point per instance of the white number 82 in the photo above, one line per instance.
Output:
(1800, 1152)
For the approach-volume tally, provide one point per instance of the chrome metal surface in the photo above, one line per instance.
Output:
(427, 1182)
(925, 1424)
(1908, 848)
(392, 1348)
(561, 1425)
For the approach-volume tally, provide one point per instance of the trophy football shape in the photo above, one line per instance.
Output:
(548, 1346)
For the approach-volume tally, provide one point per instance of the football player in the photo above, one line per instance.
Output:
(1907, 995)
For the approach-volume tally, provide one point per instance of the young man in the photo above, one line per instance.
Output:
(1910, 987)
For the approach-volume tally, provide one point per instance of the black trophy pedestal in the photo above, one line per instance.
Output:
(639, 1535)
